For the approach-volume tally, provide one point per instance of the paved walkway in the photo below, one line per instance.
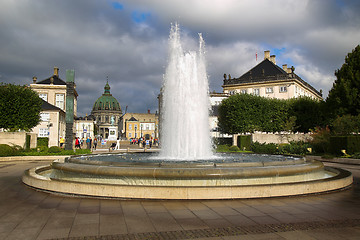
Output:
(28, 214)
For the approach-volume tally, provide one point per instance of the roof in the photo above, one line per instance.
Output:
(57, 80)
(263, 69)
(47, 106)
(132, 119)
(106, 101)
(267, 71)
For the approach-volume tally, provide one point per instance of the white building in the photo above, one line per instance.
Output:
(53, 91)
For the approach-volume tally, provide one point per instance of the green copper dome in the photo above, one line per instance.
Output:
(106, 101)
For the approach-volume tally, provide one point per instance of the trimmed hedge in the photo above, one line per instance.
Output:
(244, 142)
(43, 141)
(350, 143)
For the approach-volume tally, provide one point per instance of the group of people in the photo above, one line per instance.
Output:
(89, 143)
(144, 141)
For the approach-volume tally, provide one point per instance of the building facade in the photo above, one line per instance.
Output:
(107, 113)
(53, 92)
(52, 123)
(215, 101)
(140, 125)
(84, 127)
(269, 80)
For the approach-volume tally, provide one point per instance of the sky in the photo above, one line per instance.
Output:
(126, 41)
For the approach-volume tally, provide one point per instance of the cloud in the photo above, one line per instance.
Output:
(126, 40)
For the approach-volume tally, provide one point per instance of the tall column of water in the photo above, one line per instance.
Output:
(185, 130)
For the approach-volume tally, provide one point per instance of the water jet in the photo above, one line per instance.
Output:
(186, 168)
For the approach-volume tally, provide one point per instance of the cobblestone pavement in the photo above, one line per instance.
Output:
(29, 214)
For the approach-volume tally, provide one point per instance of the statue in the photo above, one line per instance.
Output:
(112, 120)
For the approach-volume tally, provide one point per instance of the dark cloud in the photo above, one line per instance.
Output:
(126, 41)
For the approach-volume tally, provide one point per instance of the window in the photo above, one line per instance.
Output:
(59, 101)
(45, 117)
(283, 89)
(130, 126)
(256, 91)
(43, 132)
(243, 91)
(135, 127)
(43, 96)
(107, 119)
(269, 90)
(147, 127)
(130, 135)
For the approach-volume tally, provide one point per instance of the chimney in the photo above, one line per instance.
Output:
(267, 54)
(285, 68)
(148, 111)
(34, 80)
(272, 58)
(56, 71)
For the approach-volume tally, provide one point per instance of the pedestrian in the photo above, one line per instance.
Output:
(117, 147)
(95, 143)
(62, 141)
(88, 143)
(77, 143)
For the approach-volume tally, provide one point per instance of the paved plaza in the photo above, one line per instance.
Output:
(29, 214)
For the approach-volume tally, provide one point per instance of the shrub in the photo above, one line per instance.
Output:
(43, 141)
(298, 148)
(54, 149)
(6, 150)
(222, 148)
(234, 149)
(321, 140)
(270, 148)
(244, 142)
(350, 143)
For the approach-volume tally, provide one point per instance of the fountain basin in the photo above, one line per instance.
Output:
(193, 180)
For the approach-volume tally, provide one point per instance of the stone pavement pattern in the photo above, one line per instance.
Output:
(29, 214)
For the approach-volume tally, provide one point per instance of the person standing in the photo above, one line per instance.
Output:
(95, 143)
(117, 147)
(62, 141)
(88, 143)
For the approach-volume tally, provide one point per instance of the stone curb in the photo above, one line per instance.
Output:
(351, 161)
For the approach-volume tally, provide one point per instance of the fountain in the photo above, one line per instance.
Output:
(186, 168)
(185, 111)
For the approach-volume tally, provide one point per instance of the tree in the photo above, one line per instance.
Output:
(308, 113)
(344, 97)
(242, 113)
(346, 124)
(19, 107)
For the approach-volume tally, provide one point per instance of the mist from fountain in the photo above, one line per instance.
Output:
(185, 133)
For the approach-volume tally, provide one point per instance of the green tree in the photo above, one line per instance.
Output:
(345, 125)
(344, 97)
(19, 107)
(243, 113)
(308, 113)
